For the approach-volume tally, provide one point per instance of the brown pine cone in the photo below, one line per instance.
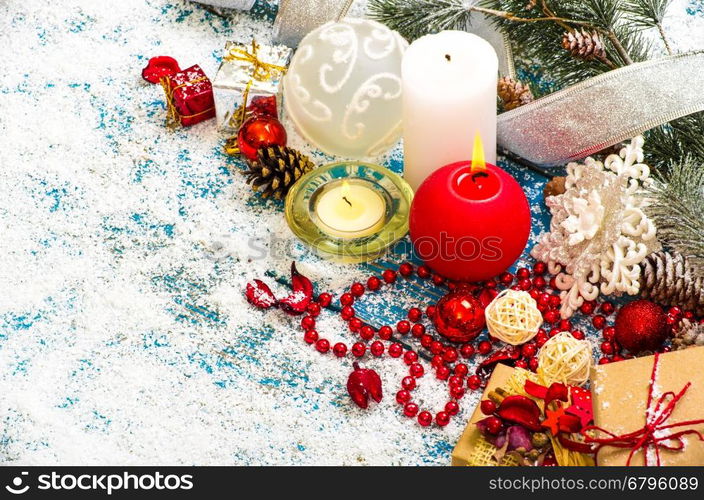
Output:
(513, 93)
(583, 44)
(276, 170)
(688, 334)
(555, 187)
(669, 279)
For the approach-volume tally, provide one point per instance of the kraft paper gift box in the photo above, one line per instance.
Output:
(239, 73)
(620, 394)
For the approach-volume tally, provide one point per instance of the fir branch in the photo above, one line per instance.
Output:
(678, 139)
(645, 14)
(677, 209)
(415, 18)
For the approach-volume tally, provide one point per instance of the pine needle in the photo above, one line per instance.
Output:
(677, 209)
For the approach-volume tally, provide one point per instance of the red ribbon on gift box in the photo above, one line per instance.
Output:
(656, 433)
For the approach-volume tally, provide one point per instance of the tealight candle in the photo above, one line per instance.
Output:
(350, 209)
(449, 94)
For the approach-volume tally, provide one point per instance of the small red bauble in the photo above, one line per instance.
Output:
(521, 363)
(403, 396)
(377, 348)
(418, 330)
(346, 299)
(484, 225)
(488, 407)
(474, 382)
(310, 336)
(366, 332)
(416, 370)
(322, 345)
(339, 349)
(450, 354)
(385, 332)
(587, 308)
(459, 316)
(357, 289)
(443, 372)
(494, 425)
(373, 283)
(599, 321)
(424, 272)
(355, 324)
(308, 322)
(461, 369)
(529, 350)
(258, 132)
(408, 383)
(436, 347)
(452, 408)
(410, 357)
(415, 314)
(484, 347)
(426, 341)
(324, 299)
(551, 316)
(425, 418)
(389, 275)
(395, 349)
(347, 313)
(442, 418)
(403, 327)
(358, 349)
(410, 410)
(405, 269)
(457, 392)
(467, 351)
(641, 325)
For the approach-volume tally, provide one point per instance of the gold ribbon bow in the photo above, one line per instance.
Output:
(261, 70)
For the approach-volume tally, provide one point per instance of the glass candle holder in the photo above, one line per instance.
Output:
(349, 211)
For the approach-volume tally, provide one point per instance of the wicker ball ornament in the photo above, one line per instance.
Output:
(513, 317)
(565, 359)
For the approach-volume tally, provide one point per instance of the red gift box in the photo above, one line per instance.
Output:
(189, 93)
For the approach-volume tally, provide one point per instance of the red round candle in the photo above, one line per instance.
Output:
(469, 225)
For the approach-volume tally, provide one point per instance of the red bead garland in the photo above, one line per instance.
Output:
(447, 361)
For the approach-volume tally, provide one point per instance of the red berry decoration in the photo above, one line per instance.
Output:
(403, 396)
(310, 336)
(405, 269)
(415, 314)
(362, 384)
(322, 345)
(358, 349)
(373, 283)
(385, 332)
(260, 131)
(484, 347)
(324, 299)
(357, 289)
(410, 357)
(339, 350)
(389, 275)
(395, 349)
(416, 370)
(459, 316)
(488, 407)
(641, 325)
(377, 348)
(408, 383)
(442, 418)
(410, 410)
(452, 408)
(425, 418)
(474, 382)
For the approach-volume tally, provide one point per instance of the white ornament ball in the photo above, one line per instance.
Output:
(343, 87)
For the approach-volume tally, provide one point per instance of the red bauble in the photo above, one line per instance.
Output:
(641, 326)
(469, 226)
(459, 316)
(260, 131)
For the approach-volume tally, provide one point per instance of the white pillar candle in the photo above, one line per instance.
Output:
(449, 95)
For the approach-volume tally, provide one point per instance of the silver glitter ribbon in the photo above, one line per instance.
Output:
(297, 18)
(605, 110)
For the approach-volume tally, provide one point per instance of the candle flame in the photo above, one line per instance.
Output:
(478, 163)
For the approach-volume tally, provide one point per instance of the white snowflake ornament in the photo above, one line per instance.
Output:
(599, 233)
